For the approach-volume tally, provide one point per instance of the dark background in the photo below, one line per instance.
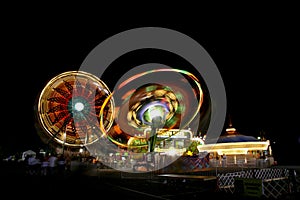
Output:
(257, 59)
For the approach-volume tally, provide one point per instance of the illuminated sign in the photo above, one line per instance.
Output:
(171, 133)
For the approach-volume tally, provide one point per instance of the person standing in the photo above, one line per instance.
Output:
(61, 165)
(34, 165)
(224, 160)
(44, 166)
(52, 164)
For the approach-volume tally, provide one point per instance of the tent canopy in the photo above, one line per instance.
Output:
(236, 138)
(231, 138)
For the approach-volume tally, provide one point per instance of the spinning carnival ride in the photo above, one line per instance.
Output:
(77, 109)
(69, 109)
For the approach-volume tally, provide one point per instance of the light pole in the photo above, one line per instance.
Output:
(157, 122)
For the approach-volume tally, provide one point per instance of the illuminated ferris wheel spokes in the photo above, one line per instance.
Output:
(69, 107)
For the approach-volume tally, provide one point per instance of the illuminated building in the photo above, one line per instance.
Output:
(173, 141)
(238, 150)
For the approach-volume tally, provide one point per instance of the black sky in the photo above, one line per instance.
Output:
(257, 59)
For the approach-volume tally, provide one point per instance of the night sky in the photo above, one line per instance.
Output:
(257, 59)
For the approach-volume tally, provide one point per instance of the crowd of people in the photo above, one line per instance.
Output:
(50, 164)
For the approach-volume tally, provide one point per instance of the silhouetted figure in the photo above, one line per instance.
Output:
(52, 164)
(61, 165)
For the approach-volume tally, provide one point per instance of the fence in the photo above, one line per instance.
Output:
(266, 182)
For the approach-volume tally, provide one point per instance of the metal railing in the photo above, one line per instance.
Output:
(270, 182)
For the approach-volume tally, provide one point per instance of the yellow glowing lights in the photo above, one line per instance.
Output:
(68, 109)
(231, 130)
(234, 147)
(76, 108)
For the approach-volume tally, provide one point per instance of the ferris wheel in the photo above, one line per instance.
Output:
(69, 109)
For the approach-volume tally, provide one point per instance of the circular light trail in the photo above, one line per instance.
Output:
(77, 108)
(69, 107)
